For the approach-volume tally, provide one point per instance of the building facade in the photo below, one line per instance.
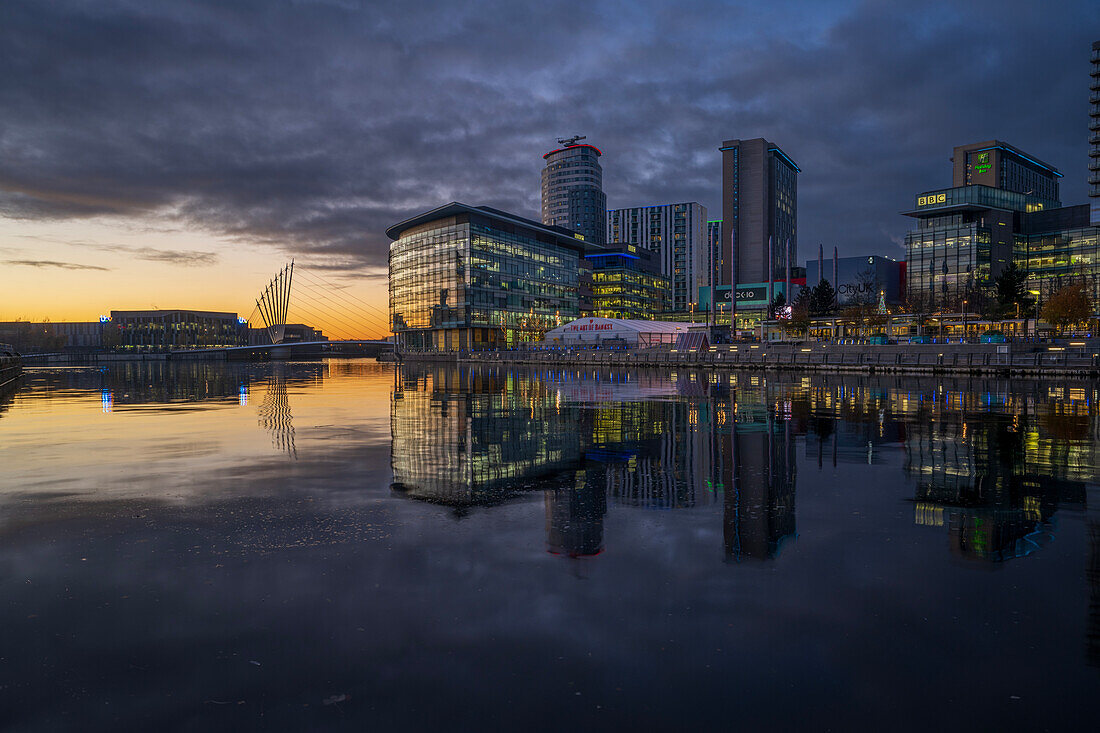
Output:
(759, 211)
(966, 235)
(28, 337)
(572, 191)
(676, 234)
(465, 277)
(627, 283)
(1094, 136)
(1060, 247)
(964, 238)
(999, 165)
(169, 330)
(715, 264)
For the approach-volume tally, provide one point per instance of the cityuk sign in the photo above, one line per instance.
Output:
(588, 327)
(854, 288)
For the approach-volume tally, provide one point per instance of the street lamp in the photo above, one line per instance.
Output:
(964, 320)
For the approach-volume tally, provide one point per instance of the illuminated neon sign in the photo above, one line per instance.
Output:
(934, 198)
(981, 163)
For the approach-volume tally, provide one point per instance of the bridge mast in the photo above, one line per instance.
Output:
(274, 303)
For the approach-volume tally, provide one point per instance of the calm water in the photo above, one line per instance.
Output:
(352, 546)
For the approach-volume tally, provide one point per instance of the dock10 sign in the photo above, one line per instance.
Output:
(932, 198)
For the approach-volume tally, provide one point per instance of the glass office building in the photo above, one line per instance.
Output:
(465, 277)
(1059, 248)
(964, 238)
(626, 283)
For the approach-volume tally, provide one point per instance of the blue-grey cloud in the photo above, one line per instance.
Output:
(314, 125)
(54, 264)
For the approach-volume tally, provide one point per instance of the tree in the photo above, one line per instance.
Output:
(1011, 289)
(778, 303)
(1069, 305)
(822, 299)
(799, 322)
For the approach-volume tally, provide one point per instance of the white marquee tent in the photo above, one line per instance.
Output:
(593, 331)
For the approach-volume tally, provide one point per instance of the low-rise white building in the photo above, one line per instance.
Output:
(616, 331)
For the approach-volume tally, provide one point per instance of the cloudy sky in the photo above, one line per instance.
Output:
(175, 154)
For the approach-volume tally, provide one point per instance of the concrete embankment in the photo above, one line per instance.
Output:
(979, 359)
(11, 368)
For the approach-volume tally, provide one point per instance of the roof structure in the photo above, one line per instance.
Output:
(568, 147)
(608, 327)
(563, 236)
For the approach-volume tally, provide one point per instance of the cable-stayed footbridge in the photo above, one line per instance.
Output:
(295, 305)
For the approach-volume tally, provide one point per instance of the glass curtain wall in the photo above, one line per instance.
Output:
(468, 285)
(948, 261)
(1063, 258)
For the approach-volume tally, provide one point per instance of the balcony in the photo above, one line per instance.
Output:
(1094, 180)
(1094, 124)
(1094, 164)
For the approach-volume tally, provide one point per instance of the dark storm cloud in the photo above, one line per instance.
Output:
(312, 126)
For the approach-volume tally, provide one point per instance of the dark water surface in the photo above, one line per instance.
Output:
(346, 545)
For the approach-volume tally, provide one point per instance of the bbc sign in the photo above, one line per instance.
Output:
(932, 199)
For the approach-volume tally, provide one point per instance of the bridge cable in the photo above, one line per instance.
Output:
(319, 306)
(327, 315)
(338, 331)
(327, 319)
(338, 290)
(372, 321)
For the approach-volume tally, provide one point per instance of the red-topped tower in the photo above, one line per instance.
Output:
(572, 190)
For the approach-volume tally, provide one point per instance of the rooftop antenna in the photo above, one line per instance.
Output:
(567, 141)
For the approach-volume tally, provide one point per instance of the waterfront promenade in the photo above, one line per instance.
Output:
(1082, 359)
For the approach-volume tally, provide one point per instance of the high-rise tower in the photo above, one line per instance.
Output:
(677, 235)
(759, 206)
(1094, 137)
(572, 190)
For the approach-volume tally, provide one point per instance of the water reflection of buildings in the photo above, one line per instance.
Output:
(760, 494)
(463, 437)
(992, 463)
(1092, 574)
(574, 517)
(167, 384)
(993, 469)
(682, 441)
(164, 382)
